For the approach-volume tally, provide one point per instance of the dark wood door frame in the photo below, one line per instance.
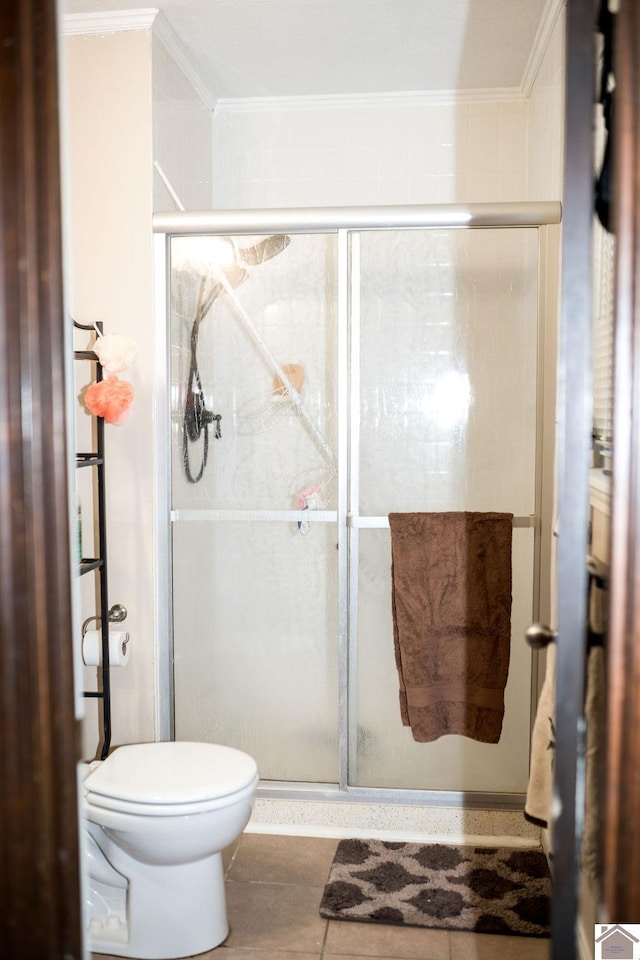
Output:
(622, 777)
(39, 876)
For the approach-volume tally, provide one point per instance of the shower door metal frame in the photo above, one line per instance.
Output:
(347, 223)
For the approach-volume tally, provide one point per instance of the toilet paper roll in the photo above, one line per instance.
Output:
(118, 648)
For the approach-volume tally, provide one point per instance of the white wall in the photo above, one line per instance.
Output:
(368, 150)
(115, 84)
(181, 118)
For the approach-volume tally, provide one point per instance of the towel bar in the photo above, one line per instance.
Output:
(383, 522)
(316, 516)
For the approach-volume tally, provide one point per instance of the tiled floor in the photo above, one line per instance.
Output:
(274, 886)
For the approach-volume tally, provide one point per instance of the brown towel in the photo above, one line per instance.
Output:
(451, 596)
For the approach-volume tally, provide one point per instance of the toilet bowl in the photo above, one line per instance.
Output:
(157, 816)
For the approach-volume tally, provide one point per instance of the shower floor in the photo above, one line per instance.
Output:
(274, 885)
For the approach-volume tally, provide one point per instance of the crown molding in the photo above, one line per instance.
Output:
(546, 27)
(107, 21)
(333, 101)
(113, 21)
(149, 18)
(163, 30)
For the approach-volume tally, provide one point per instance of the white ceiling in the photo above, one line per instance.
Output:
(283, 48)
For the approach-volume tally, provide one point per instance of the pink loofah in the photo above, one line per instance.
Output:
(110, 398)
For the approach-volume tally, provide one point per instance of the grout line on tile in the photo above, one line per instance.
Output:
(324, 939)
(279, 883)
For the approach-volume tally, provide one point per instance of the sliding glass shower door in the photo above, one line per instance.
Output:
(255, 582)
(444, 348)
(355, 374)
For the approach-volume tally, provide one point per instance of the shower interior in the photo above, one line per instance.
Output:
(355, 372)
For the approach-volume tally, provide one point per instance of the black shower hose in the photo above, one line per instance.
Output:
(196, 416)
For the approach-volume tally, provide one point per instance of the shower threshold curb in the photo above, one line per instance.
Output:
(393, 822)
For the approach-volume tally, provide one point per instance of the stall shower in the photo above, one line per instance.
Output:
(326, 369)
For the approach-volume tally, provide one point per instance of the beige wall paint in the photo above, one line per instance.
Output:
(111, 279)
(127, 103)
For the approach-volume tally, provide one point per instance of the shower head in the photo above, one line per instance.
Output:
(214, 256)
(263, 250)
(234, 269)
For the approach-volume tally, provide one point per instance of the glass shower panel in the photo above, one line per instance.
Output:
(254, 340)
(448, 343)
(386, 754)
(268, 325)
(255, 649)
(442, 416)
(447, 368)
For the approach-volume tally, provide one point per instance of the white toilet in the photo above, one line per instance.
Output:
(157, 816)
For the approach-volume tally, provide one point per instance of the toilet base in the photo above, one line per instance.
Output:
(173, 911)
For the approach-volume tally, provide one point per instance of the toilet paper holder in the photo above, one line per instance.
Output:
(116, 614)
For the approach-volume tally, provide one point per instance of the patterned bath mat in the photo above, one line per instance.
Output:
(483, 889)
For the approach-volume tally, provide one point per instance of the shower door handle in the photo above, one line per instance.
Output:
(538, 636)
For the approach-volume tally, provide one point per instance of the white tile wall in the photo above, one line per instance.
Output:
(181, 136)
(324, 153)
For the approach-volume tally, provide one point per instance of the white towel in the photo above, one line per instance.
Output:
(543, 739)
(543, 742)
(595, 716)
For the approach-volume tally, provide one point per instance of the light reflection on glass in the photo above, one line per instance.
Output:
(448, 399)
(199, 255)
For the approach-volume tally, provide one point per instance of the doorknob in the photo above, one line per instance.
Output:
(538, 635)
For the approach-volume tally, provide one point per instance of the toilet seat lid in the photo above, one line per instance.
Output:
(171, 773)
